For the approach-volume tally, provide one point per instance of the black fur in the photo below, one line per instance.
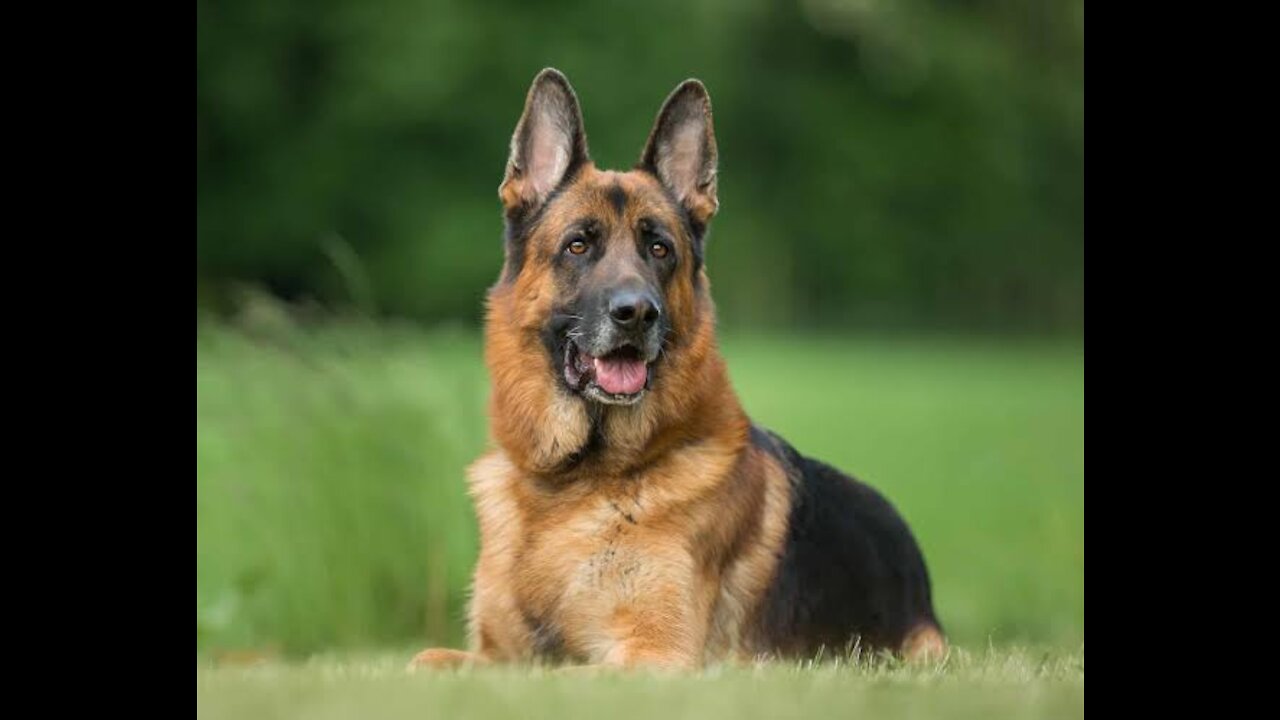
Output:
(521, 221)
(851, 572)
(618, 198)
(696, 231)
(546, 641)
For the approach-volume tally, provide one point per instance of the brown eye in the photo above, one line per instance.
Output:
(577, 247)
(659, 250)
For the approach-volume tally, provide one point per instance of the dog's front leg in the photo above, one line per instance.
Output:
(664, 628)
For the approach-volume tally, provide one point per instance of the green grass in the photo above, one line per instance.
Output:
(332, 515)
(1007, 683)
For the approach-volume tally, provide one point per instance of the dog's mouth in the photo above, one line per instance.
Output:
(618, 377)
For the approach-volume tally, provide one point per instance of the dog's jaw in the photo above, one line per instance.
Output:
(580, 373)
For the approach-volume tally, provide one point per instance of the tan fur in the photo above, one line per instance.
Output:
(924, 643)
(445, 658)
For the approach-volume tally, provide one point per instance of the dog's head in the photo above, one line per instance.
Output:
(604, 268)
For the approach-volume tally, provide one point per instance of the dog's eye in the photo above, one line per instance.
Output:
(659, 250)
(577, 247)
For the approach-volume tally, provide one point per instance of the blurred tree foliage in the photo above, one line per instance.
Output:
(884, 163)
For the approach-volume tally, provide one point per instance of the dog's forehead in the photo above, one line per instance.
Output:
(625, 192)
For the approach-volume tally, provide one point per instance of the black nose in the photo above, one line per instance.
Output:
(632, 310)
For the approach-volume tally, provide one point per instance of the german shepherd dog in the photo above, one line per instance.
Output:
(631, 514)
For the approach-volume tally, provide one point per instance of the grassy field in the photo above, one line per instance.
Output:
(331, 512)
(1005, 684)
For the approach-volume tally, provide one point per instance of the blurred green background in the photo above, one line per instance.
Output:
(898, 267)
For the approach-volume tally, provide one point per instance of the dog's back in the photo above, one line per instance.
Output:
(851, 572)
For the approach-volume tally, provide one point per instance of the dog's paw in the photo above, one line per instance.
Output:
(444, 658)
(585, 670)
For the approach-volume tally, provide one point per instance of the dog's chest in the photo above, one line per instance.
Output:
(599, 550)
(580, 574)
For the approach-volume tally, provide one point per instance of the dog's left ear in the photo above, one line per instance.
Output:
(681, 150)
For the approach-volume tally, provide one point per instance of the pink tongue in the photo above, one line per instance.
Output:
(620, 377)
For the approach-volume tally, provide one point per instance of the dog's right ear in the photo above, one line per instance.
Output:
(548, 145)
